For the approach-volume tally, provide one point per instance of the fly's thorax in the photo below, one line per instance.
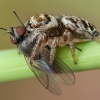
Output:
(26, 45)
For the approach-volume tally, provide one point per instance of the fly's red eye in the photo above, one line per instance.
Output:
(20, 30)
(12, 40)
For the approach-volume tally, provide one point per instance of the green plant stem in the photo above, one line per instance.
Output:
(14, 67)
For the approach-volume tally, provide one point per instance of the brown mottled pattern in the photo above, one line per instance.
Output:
(47, 18)
(91, 26)
(38, 25)
(61, 26)
(53, 32)
(39, 19)
(73, 21)
(75, 34)
(84, 23)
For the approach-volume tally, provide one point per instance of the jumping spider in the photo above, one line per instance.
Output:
(58, 31)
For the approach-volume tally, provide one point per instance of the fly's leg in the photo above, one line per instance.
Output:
(53, 50)
(18, 50)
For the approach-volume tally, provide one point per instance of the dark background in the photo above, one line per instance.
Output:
(87, 86)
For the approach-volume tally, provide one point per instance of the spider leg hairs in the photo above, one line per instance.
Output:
(38, 39)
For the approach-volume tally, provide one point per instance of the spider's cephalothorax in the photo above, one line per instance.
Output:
(59, 31)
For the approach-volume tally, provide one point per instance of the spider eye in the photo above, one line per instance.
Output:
(20, 30)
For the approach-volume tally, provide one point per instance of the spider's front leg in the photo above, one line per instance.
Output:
(53, 49)
(36, 47)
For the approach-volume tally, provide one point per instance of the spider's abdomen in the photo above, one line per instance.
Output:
(79, 25)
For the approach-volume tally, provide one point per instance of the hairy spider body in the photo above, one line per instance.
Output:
(58, 31)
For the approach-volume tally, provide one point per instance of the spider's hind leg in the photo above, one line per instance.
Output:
(76, 47)
(72, 46)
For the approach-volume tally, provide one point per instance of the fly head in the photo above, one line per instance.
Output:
(16, 33)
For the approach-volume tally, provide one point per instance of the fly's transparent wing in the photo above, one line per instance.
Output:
(63, 73)
(45, 76)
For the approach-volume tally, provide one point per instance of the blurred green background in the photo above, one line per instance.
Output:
(87, 86)
(88, 9)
